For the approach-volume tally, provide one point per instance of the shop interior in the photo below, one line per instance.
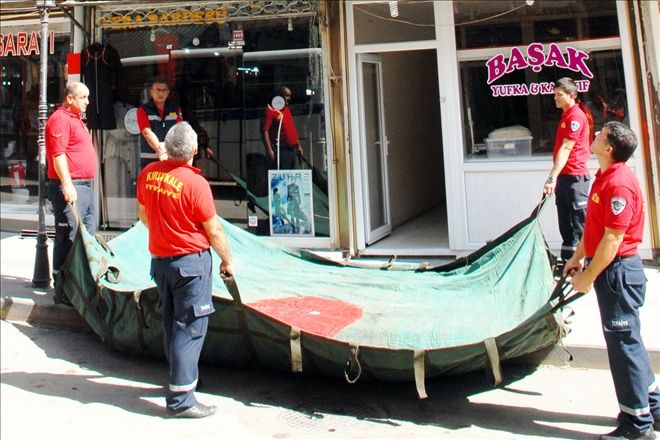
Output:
(222, 86)
(415, 162)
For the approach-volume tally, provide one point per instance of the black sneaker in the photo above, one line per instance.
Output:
(196, 411)
(625, 433)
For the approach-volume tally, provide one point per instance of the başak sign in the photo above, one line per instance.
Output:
(536, 56)
(24, 43)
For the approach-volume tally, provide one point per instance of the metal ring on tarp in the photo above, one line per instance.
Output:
(353, 365)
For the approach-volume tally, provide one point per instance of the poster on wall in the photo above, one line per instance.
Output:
(290, 203)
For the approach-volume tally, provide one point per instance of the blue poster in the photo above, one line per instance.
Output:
(290, 202)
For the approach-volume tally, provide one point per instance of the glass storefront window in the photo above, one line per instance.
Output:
(483, 112)
(514, 22)
(223, 89)
(19, 107)
(507, 76)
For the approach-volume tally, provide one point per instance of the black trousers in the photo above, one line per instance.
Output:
(571, 195)
(66, 226)
(620, 290)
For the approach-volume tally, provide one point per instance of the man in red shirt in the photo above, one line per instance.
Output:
(176, 205)
(155, 118)
(72, 165)
(279, 134)
(612, 232)
(569, 176)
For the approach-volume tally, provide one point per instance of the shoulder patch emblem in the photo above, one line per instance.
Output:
(618, 205)
(575, 125)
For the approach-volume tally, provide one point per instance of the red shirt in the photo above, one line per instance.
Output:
(288, 133)
(615, 202)
(574, 126)
(67, 134)
(177, 200)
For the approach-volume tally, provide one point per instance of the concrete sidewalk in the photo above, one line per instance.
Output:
(585, 343)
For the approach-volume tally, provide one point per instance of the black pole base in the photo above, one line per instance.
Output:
(41, 275)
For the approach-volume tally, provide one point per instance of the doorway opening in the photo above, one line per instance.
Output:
(401, 154)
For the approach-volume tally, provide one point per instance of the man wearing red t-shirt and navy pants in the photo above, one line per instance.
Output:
(176, 204)
(279, 134)
(569, 177)
(612, 232)
(71, 171)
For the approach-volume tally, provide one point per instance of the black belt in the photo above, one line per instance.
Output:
(175, 257)
(575, 178)
(618, 258)
(87, 182)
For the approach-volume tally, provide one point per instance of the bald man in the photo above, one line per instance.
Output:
(72, 166)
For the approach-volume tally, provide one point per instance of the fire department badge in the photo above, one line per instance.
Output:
(575, 125)
(618, 205)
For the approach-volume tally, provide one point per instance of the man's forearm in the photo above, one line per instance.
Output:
(561, 159)
(220, 246)
(61, 167)
(265, 137)
(216, 235)
(152, 140)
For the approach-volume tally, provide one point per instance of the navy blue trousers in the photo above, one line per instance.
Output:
(571, 195)
(184, 284)
(66, 226)
(620, 290)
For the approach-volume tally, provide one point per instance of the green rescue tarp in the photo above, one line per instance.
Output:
(291, 312)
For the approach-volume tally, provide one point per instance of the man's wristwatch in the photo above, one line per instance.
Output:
(550, 180)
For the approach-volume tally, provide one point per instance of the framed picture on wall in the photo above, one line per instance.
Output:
(291, 208)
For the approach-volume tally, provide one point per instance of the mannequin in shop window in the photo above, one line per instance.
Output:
(155, 118)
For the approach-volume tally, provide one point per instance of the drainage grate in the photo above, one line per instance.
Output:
(330, 415)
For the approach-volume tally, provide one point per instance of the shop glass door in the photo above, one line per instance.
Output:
(373, 149)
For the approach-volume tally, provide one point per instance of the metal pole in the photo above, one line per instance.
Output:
(41, 275)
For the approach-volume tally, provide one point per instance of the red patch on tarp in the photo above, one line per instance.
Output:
(321, 316)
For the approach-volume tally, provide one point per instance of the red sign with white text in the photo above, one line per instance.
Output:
(24, 43)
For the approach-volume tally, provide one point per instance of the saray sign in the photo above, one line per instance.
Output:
(24, 43)
(535, 56)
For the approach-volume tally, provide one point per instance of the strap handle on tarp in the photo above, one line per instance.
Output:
(419, 358)
(232, 287)
(111, 273)
(296, 350)
(138, 306)
(539, 208)
(564, 292)
(493, 366)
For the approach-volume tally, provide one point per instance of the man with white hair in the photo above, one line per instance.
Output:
(176, 204)
(72, 165)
